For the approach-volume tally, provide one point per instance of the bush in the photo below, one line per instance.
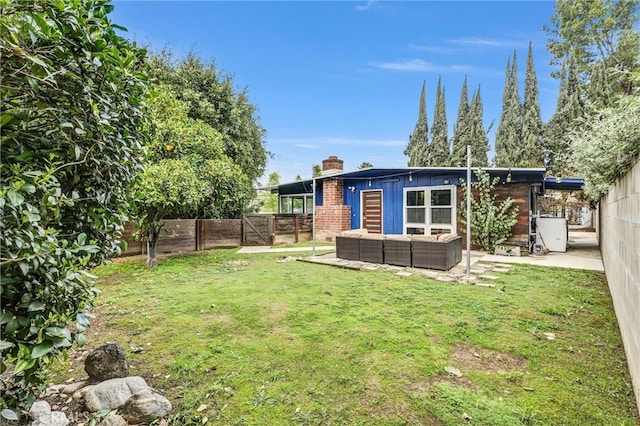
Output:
(491, 222)
(71, 110)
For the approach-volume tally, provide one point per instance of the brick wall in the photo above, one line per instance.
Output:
(331, 221)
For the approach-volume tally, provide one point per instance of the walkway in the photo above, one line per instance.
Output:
(582, 252)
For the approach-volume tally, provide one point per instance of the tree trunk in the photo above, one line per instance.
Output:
(152, 240)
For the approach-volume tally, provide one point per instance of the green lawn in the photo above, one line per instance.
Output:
(265, 343)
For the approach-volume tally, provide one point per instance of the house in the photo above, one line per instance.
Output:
(409, 200)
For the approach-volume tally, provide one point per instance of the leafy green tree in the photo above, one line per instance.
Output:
(605, 148)
(459, 146)
(418, 147)
(316, 170)
(595, 30)
(161, 190)
(491, 221)
(508, 144)
(439, 131)
(532, 151)
(298, 178)
(569, 109)
(72, 113)
(212, 98)
(271, 202)
(365, 165)
(193, 145)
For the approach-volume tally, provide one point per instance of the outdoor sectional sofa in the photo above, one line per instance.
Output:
(419, 251)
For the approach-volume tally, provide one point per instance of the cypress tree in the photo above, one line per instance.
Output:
(439, 131)
(477, 136)
(568, 109)
(508, 136)
(418, 147)
(599, 90)
(532, 153)
(459, 141)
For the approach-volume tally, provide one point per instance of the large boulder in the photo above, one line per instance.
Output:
(112, 394)
(106, 362)
(145, 405)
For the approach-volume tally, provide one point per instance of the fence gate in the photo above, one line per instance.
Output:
(257, 229)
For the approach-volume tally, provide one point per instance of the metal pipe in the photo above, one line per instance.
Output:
(468, 211)
(313, 217)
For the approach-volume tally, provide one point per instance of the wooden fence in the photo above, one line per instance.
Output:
(182, 235)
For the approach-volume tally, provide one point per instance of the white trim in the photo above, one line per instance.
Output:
(304, 197)
(381, 207)
(428, 225)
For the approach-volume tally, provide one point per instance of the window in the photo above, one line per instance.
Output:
(430, 210)
(302, 203)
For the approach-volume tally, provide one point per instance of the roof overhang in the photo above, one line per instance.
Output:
(563, 184)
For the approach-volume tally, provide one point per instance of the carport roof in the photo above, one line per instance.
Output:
(563, 184)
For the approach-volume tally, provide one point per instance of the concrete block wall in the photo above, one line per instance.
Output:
(619, 236)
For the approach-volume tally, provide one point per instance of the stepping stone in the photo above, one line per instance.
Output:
(484, 285)
(445, 279)
(404, 273)
(489, 277)
(501, 269)
(370, 267)
(478, 270)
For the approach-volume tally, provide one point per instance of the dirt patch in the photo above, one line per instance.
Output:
(467, 357)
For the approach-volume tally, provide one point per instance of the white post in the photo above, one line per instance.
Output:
(313, 218)
(468, 211)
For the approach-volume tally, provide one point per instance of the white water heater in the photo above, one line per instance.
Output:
(553, 231)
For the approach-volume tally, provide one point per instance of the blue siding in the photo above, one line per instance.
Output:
(392, 196)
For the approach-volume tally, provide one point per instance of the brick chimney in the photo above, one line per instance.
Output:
(332, 166)
(333, 216)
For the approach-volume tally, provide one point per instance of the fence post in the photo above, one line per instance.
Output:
(296, 227)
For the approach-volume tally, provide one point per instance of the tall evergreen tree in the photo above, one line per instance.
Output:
(569, 108)
(509, 134)
(599, 90)
(418, 147)
(459, 140)
(477, 135)
(439, 131)
(532, 152)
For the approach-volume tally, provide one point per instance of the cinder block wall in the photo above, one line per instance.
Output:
(619, 236)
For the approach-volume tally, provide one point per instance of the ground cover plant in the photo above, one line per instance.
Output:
(246, 339)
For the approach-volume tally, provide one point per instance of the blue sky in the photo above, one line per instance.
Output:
(344, 78)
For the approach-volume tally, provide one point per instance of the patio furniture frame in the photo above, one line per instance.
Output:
(397, 250)
(372, 248)
(348, 247)
(441, 255)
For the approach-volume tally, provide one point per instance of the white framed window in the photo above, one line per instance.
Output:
(302, 203)
(429, 210)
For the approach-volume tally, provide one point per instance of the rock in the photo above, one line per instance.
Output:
(39, 408)
(112, 394)
(72, 388)
(114, 420)
(145, 406)
(106, 362)
(79, 394)
(55, 418)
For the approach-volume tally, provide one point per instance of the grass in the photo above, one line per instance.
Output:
(260, 342)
